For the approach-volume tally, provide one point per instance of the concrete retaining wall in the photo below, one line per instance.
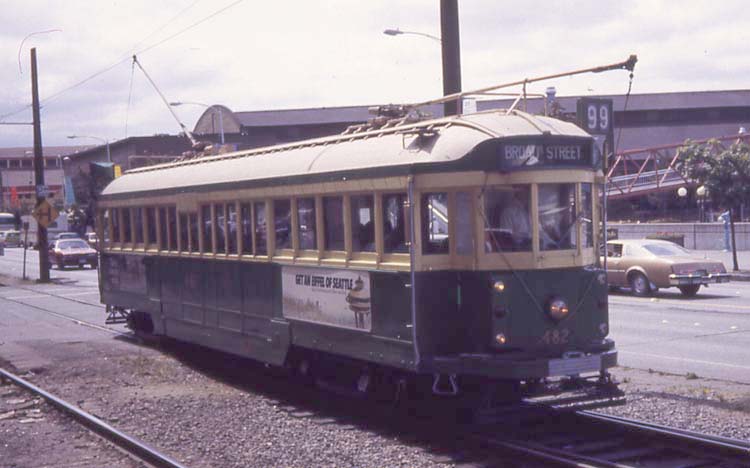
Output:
(698, 236)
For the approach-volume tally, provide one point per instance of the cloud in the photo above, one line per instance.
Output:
(290, 54)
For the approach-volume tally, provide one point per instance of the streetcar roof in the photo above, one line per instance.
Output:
(384, 148)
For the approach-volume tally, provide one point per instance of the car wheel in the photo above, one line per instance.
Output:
(639, 284)
(690, 290)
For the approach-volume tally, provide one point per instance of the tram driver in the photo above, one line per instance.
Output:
(509, 225)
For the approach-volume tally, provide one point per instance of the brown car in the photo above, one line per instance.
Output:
(73, 252)
(646, 265)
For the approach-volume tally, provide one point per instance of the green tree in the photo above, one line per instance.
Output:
(725, 172)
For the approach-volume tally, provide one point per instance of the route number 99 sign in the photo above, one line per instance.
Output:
(595, 115)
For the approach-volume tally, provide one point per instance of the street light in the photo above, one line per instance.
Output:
(221, 116)
(397, 32)
(103, 140)
(450, 51)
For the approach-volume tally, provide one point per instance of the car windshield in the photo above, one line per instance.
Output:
(72, 244)
(665, 250)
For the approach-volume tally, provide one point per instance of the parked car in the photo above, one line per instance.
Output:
(11, 238)
(645, 265)
(92, 240)
(75, 252)
(60, 236)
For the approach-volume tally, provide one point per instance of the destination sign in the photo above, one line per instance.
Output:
(517, 155)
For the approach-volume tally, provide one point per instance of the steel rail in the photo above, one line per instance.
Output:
(122, 440)
(67, 317)
(740, 446)
(620, 435)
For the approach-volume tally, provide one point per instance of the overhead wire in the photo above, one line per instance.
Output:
(125, 59)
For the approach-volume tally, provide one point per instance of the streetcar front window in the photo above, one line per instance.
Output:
(507, 222)
(435, 235)
(394, 223)
(557, 217)
(363, 223)
(587, 211)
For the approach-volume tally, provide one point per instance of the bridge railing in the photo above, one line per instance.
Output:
(634, 172)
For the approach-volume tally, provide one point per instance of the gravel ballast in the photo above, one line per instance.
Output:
(175, 403)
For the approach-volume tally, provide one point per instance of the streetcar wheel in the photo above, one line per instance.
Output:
(639, 284)
(690, 290)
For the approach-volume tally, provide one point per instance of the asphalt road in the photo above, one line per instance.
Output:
(11, 264)
(708, 335)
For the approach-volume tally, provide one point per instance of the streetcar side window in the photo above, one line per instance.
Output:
(246, 216)
(138, 225)
(333, 218)
(395, 216)
(282, 218)
(193, 220)
(151, 226)
(183, 232)
(207, 224)
(306, 228)
(105, 216)
(261, 230)
(127, 236)
(507, 222)
(164, 245)
(463, 224)
(220, 222)
(363, 223)
(172, 227)
(231, 228)
(115, 215)
(557, 223)
(435, 234)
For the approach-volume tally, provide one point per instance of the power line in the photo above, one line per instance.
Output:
(114, 65)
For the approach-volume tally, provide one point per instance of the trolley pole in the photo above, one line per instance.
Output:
(39, 172)
(451, 55)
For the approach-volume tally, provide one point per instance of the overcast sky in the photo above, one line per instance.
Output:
(259, 55)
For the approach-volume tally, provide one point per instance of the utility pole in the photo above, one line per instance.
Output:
(451, 55)
(39, 172)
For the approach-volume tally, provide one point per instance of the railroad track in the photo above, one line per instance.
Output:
(132, 446)
(588, 439)
(24, 301)
(583, 439)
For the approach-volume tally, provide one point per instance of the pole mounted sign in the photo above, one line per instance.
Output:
(45, 214)
(595, 115)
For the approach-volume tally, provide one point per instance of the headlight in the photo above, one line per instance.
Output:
(498, 286)
(557, 308)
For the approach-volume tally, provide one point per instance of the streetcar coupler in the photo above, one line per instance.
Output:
(116, 314)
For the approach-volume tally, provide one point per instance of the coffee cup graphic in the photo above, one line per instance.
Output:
(359, 303)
